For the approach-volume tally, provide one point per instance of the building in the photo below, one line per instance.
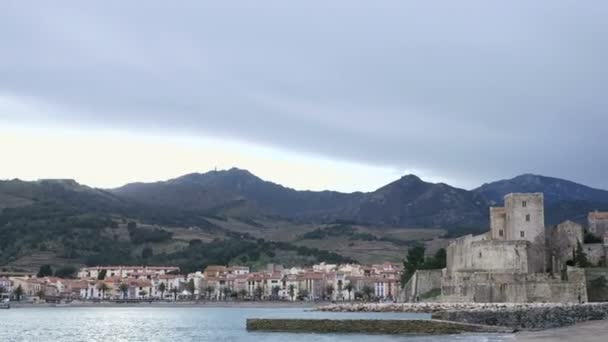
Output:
(515, 261)
(598, 223)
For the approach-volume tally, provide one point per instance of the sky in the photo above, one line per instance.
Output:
(345, 95)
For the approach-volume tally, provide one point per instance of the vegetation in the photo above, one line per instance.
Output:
(329, 290)
(436, 292)
(162, 288)
(18, 292)
(190, 287)
(367, 291)
(349, 288)
(343, 230)
(144, 235)
(416, 261)
(591, 238)
(580, 257)
(66, 272)
(124, 289)
(45, 271)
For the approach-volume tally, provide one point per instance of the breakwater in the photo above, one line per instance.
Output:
(521, 316)
(370, 326)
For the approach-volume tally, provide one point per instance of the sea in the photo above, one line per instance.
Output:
(184, 324)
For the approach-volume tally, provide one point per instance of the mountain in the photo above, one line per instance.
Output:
(406, 202)
(555, 190)
(61, 222)
(237, 192)
(564, 200)
(234, 216)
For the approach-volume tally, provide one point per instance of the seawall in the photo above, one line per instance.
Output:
(529, 317)
(370, 326)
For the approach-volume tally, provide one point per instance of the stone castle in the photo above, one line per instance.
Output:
(517, 260)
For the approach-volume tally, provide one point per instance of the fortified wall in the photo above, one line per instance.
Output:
(508, 263)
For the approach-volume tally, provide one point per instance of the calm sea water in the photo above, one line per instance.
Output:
(182, 325)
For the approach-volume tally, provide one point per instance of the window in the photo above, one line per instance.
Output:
(522, 234)
(524, 204)
(528, 218)
(500, 232)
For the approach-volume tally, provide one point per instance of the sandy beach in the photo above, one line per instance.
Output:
(592, 331)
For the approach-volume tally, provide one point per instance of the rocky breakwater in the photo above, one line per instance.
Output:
(521, 316)
(530, 316)
(369, 326)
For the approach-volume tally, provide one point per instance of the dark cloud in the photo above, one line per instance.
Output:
(469, 90)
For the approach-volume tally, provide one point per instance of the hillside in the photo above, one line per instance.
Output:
(225, 216)
(555, 190)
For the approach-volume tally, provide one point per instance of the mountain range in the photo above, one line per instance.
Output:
(256, 220)
(406, 202)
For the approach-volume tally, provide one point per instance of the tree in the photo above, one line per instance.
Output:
(368, 291)
(415, 259)
(45, 271)
(329, 290)
(102, 275)
(258, 292)
(209, 290)
(580, 257)
(18, 292)
(440, 259)
(242, 293)
(275, 291)
(340, 285)
(124, 288)
(174, 291)
(40, 294)
(147, 253)
(226, 292)
(66, 272)
(349, 288)
(303, 294)
(292, 291)
(190, 288)
(103, 287)
(162, 288)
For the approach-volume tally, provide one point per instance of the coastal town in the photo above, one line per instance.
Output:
(519, 260)
(319, 282)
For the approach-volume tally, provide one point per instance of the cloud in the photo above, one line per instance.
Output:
(468, 91)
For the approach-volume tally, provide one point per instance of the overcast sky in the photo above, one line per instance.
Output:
(346, 95)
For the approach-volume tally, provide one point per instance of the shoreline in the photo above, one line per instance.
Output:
(589, 331)
(201, 304)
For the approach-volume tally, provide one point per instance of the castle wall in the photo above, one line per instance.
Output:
(595, 252)
(598, 223)
(498, 223)
(421, 283)
(561, 243)
(490, 287)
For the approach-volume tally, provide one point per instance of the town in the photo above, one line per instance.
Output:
(328, 282)
(518, 260)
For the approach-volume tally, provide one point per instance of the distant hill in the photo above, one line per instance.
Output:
(555, 190)
(564, 200)
(407, 202)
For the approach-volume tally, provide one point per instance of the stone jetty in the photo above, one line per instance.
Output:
(521, 316)
(370, 326)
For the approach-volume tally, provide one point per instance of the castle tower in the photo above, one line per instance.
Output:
(525, 217)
